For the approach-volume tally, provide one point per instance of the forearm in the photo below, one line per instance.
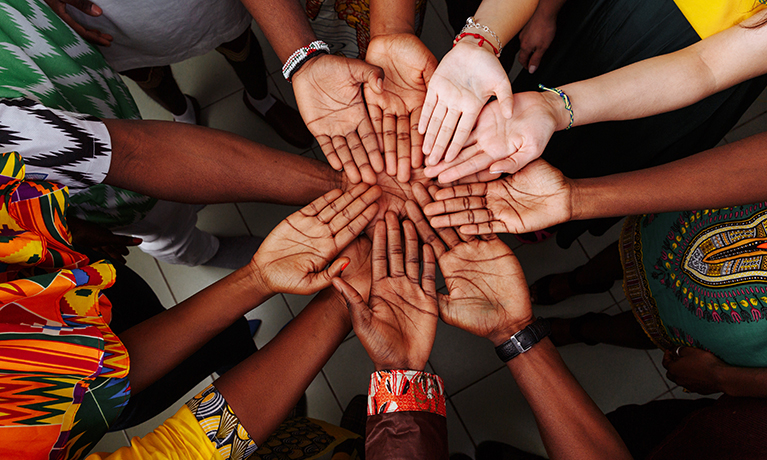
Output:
(505, 18)
(689, 75)
(743, 381)
(284, 23)
(192, 164)
(162, 342)
(701, 181)
(571, 425)
(265, 387)
(549, 8)
(388, 17)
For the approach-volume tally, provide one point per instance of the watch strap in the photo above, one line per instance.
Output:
(523, 340)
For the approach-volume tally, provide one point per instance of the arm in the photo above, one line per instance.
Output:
(467, 77)
(396, 327)
(179, 162)
(701, 372)
(539, 196)
(293, 258)
(689, 75)
(488, 297)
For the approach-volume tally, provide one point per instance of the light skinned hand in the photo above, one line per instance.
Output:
(398, 323)
(328, 92)
(535, 38)
(465, 79)
(90, 35)
(694, 369)
(535, 198)
(487, 291)
(297, 257)
(408, 65)
(503, 145)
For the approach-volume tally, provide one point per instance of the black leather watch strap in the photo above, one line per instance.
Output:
(523, 340)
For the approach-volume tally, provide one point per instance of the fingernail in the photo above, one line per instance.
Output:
(532, 69)
(344, 268)
(496, 172)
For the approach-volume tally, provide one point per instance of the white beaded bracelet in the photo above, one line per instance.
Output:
(301, 55)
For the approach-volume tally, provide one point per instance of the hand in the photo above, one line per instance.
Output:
(501, 144)
(465, 79)
(408, 66)
(91, 35)
(535, 198)
(398, 324)
(294, 256)
(488, 294)
(101, 239)
(328, 91)
(395, 194)
(694, 369)
(535, 39)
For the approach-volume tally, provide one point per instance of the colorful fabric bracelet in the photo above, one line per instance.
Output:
(566, 98)
(482, 41)
(471, 24)
(301, 56)
(402, 390)
(221, 425)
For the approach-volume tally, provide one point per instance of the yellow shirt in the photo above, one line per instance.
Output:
(712, 16)
(179, 438)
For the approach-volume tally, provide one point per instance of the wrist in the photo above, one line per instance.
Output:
(483, 42)
(306, 66)
(509, 328)
(557, 109)
(257, 280)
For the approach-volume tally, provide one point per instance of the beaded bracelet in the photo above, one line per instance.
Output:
(301, 56)
(482, 41)
(470, 23)
(566, 98)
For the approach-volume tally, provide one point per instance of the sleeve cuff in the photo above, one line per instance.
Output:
(404, 390)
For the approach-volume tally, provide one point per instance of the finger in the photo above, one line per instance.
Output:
(426, 113)
(471, 166)
(429, 276)
(416, 142)
(323, 279)
(508, 165)
(668, 358)
(425, 231)
(356, 227)
(345, 155)
(361, 158)
(371, 144)
(477, 216)
(505, 98)
(445, 134)
(390, 143)
(458, 191)
(456, 205)
(412, 262)
(376, 122)
(380, 260)
(430, 136)
(462, 131)
(314, 208)
(358, 310)
(535, 59)
(330, 153)
(487, 228)
(448, 236)
(345, 209)
(367, 74)
(85, 6)
(466, 238)
(403, 149)
(524, 56)
(394, 246)
(335, 205)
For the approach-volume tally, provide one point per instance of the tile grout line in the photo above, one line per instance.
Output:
(665, 382)
(463, 424)
(332, 391)
(167, 283)
(476, 381)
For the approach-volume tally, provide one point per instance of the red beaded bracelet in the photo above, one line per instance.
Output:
(482, 41)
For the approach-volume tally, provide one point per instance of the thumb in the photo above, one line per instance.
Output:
(368, 74)
(358, 309)
(505, 98)
(504, 166)
(85, 6)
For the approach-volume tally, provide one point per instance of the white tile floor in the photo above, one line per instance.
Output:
(484, 402)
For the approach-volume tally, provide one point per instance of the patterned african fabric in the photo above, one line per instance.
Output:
(699, 279)
(712, 16)
(405, 390)
(63, 373)
(345, 24)
(42, 59)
